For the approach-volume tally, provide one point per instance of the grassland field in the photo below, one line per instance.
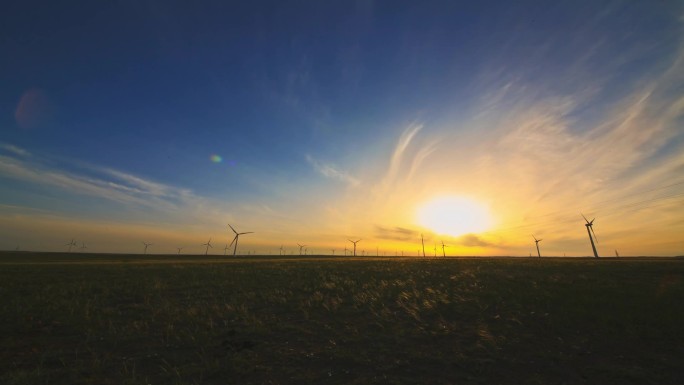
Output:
(118, 319)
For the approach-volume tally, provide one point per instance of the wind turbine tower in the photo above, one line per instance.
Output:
(590, 230)
(354, 242)
(536, 242)
(146, 246)
(422, 241)
(237, 236)
(443, 252)
(301, 247)
(208, 245)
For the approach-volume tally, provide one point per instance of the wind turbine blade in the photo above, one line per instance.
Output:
(231, 227)
(233, 241)
(585, 218)
(249, 232)
(592, 231)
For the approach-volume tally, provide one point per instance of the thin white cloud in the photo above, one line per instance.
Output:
(400, 149)
(112, 185)
(14, 149)
(330, 171)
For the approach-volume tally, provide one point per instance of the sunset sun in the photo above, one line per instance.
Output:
(454, 215)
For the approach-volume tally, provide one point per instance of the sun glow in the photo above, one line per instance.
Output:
(454, 215)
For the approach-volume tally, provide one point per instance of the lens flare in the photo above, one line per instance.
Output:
(216, 158)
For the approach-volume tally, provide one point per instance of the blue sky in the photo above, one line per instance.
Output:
(339, 119)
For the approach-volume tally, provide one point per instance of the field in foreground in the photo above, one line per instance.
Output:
(282, 321)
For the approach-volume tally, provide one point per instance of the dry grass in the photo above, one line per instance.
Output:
(325, 320)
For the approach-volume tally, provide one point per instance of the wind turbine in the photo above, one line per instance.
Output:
(354, 242)
(333, 250)
(345, 250)
(590, 230)
(435, 249)
(423, 243)
(83, 246)
(71, 244)
(536, 242)
(208, 245)
(300, 248)
(146, 245)
(443, 246)
(237, 236)
(179, 249)
(616, 254)
(281, 250)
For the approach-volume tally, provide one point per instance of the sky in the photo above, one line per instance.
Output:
(479, 125)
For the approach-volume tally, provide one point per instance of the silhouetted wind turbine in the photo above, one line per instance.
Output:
(146, 245)
(616, 254)
(71, 244)
(443, 252)
(590, 231)
(179, 249)
(281, 249)
(345, 250)
(423, 243)
(301, 247)
(237, 236)
(536, 242)
(333, 250)
(208, 245)
(354, 242)
(83, 246)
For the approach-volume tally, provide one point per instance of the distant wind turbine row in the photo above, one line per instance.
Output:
(303, 250)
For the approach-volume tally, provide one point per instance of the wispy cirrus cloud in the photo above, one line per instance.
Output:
(14, 150)
(120, 188)
(332, 172)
